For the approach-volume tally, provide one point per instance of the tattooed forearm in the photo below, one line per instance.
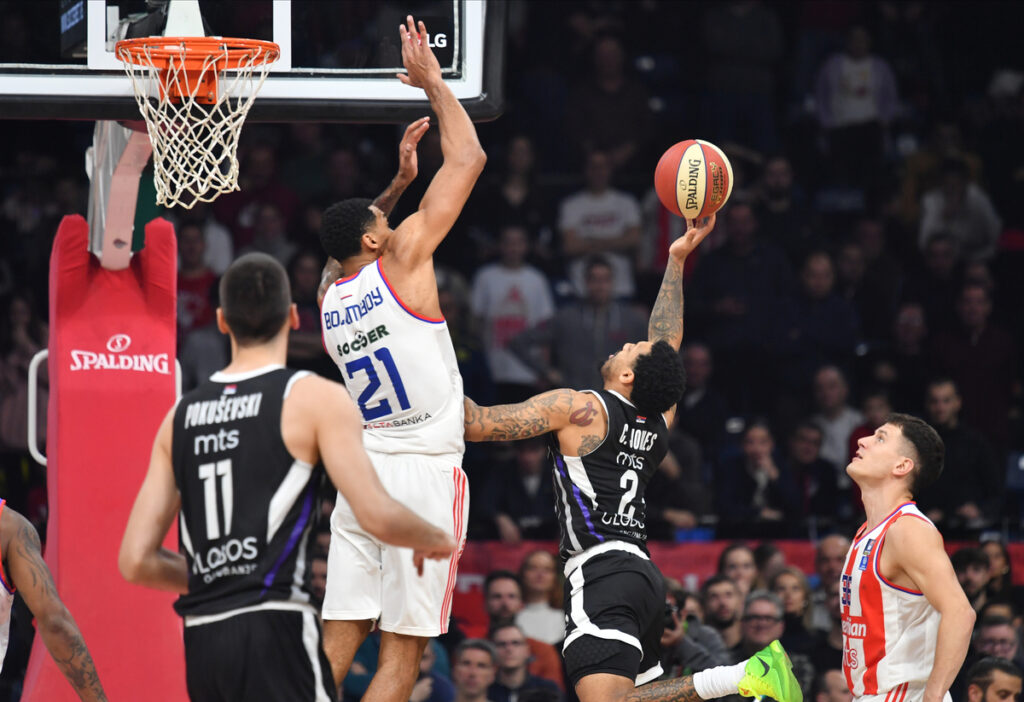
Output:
(667, 316)
(56, 627)
(71, 655)
(332, 271)
(521, 421)
(28, 550)
(677, 690)
(386, 200)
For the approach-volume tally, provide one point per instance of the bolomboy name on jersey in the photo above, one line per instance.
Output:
(223, 409)
(354, 311)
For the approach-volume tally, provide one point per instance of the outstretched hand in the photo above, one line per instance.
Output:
(420, 63)
(408, 164)
(695, 233)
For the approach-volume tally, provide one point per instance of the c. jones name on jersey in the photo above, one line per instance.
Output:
(222, 560)
(223, 409)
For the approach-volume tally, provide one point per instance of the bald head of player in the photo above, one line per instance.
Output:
(255, 301)
(905, 449)
(354, 227)
(649, 374)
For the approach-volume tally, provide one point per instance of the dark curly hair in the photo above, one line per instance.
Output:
(343, 225)
(927, 444)
(658, 379)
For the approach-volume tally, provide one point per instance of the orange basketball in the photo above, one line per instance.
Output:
(693, 179)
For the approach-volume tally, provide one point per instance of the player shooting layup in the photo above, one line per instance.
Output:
(906, 621)
(606, 445)
(382, 325)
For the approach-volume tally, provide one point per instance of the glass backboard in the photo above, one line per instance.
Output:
(338, 59)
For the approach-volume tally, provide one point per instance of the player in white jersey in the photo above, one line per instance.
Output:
(382, 325)
(906, 620)
(25, 570)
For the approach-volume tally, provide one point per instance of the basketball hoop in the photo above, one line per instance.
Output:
(194, 93)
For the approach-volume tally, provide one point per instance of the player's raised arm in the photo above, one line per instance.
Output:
(917, 547)
(666, 323)
(549, 411)
(31, 577)
(408, 168)
(464, 158)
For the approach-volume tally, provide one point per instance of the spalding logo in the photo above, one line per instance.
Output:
(118, 343)
(145, 363)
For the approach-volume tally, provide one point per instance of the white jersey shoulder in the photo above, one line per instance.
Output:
(399, 366)
(889, 631)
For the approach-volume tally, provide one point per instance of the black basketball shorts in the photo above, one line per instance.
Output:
(261, 656)
(615, 616)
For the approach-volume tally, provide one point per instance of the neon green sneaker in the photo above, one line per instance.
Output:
(769, 673)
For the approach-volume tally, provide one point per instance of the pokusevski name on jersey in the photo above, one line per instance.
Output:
(226, 408)
(248, 505)
(353, 312)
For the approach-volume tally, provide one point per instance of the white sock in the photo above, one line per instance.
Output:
(719, 682)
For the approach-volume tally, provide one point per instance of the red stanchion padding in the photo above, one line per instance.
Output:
(111, 369)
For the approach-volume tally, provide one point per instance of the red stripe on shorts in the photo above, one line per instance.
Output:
(459, 478)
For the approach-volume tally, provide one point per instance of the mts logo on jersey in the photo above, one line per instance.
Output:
(212, 443)
(847, 590)
(637, 439)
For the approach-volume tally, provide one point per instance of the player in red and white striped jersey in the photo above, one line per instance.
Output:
(906, 621)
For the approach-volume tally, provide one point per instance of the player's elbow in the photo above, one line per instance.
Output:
(472, 158)
(130, 564)
(970, 616)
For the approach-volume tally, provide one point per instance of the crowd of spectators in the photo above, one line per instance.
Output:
(869, 261)
(510, 649)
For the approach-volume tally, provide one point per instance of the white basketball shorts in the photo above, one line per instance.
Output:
(368, 579)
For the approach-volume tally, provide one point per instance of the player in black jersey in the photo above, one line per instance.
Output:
(237, 461)
(605, 446)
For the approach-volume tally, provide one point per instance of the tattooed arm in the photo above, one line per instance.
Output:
(666, 322)
(408, 167)
(577, 417)
(31, 577)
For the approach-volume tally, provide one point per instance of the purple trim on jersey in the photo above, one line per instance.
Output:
(417, 315)
(579, 499)
(293, 539)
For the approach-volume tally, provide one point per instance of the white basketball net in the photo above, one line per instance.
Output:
(194, 144)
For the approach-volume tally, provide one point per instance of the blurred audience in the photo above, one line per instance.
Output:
(568, 349)
(723, 604)
(508, 297)
(542, 616)
(600, 220)
(969, 490)
(736, 562)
